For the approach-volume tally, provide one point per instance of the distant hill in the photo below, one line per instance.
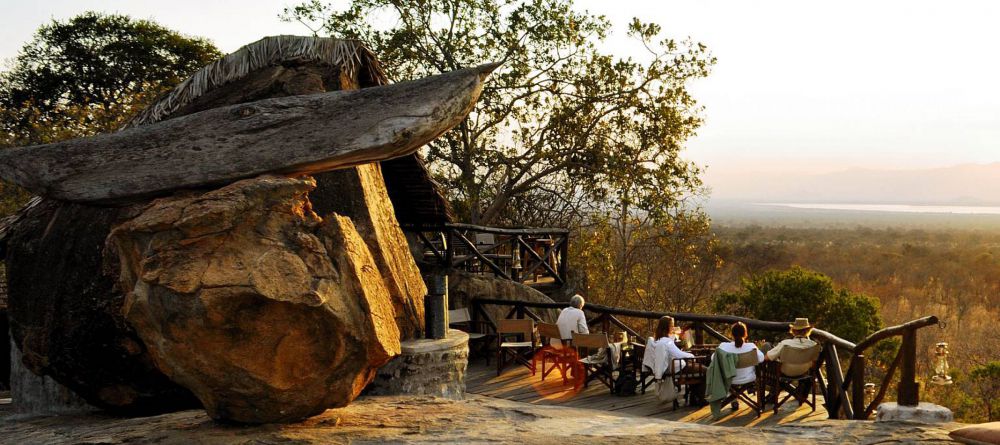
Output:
(967, 184)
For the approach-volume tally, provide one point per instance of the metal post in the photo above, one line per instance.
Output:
(909, 391)
(436, 307)
(858, 386)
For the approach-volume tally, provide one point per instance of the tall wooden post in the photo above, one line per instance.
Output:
(835, 379)
(564, 258)
(858, 386)
(909, 391)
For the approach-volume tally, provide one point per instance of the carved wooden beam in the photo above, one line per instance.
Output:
(291, 135)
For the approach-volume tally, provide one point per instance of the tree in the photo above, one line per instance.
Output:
(797, 292)
(89, 75)
(560, 123)
(635, 262)
(985, 380)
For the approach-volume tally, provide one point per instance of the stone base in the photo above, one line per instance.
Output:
(923, 413)
(426, 367)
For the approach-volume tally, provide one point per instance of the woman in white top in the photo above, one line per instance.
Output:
(739, 345)
(665, 349)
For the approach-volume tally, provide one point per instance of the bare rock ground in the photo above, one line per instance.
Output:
(413, 420)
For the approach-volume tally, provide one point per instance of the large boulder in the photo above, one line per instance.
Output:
(66, 312)
(464, 286)
(243, 295)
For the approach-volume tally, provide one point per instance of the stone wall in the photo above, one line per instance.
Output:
(426, 367)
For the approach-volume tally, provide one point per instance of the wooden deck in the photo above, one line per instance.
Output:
(516, 383)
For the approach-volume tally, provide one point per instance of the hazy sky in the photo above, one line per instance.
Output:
(799, 87)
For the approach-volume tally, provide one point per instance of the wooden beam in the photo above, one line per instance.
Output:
(507, 231)
(288, 135)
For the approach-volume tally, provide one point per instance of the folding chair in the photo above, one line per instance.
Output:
(691, 377)
(477, 329)
(647, 377)
(563, 357)
(800, 386)
(519, 350)
(594, 367)
(743, 391)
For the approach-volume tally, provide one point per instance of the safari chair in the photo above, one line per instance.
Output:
(799, 386)
(691, 379)
(477, 329)
(516, 343)
(594, 367)
(751, 393)
(563, 358)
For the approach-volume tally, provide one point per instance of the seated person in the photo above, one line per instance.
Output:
(748, 356)
(662, 349)
(571, 319)
(800, 342)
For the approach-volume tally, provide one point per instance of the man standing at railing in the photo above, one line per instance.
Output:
(571, 319)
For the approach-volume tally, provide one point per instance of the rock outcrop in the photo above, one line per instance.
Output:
(262, 309)
(464, 286)
(360, 194)
(66, 312)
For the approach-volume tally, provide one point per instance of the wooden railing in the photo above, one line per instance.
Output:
(520, 255)
(845, 398)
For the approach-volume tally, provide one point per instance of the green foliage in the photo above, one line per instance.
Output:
(797, 292)
(85, 75)
(89, 75)
(560, 123)
(985, 381)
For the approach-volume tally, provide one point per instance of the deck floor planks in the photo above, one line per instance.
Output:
(516, 383)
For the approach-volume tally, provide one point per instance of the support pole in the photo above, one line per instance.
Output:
(436, 307)
(909, 391)
(858, 386)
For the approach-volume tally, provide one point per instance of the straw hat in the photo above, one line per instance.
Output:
(800, 324)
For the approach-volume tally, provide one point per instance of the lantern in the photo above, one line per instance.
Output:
(941, 376)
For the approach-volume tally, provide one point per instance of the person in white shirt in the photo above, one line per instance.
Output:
(665, 349)
(571, 319)
(748, 359)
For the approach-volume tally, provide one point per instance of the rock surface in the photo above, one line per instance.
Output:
(477, 419)
(246, 297)
(360, 194)
(65, 311)
(293, 135)
(464, 286)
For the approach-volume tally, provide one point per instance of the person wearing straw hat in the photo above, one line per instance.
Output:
(800, 341)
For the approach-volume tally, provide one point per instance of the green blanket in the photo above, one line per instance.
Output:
(720, 375)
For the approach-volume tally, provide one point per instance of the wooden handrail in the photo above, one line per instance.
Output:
(678, 316)
(893, 331)
(843, 395)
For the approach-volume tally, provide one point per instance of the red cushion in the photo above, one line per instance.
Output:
(981, 434)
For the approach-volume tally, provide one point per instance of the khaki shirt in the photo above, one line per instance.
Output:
(792, 369)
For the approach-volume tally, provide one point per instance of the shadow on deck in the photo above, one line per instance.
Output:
(517, 384)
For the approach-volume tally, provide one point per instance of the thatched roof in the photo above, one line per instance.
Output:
(348, 56)
(418, 200)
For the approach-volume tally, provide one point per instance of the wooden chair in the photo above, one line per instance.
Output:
(690, 373)
(591, 367)
(799, 386)
(477, 329)
(516, 343)
(562, 357)
(751, 393)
